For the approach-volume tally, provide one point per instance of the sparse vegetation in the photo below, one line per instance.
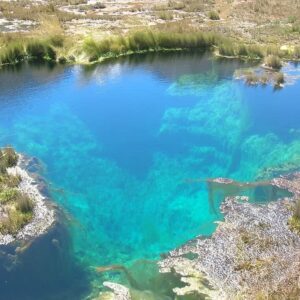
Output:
(16, 207)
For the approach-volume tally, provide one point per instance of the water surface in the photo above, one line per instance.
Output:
(127, 146)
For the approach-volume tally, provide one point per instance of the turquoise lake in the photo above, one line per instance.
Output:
(127, 146)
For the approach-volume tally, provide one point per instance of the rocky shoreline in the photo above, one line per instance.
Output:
(254, 253)
(43, 213)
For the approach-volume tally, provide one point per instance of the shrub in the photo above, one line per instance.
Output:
(213, 15)
(273, 62)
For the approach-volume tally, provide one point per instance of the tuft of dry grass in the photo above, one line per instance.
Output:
(273, 62)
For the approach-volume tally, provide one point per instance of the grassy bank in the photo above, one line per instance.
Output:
(59, 48)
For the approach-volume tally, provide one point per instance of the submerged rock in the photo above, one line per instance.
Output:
(252, 253)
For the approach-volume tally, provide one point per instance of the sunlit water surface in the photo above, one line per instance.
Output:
(127, 146)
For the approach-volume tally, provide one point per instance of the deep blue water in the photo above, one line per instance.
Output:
(127, 145)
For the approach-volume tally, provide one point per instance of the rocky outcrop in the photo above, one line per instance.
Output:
(252, 253)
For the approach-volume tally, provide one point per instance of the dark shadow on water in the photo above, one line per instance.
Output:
(43, 269)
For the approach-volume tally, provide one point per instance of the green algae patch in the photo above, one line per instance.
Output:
(16, 208)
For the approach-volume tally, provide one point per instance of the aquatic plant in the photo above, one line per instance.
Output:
(273, 61)
(279, 79)
(251, 78)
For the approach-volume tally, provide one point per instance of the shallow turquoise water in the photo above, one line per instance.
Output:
(127, 146)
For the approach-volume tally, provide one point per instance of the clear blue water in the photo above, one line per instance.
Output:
(127, 145)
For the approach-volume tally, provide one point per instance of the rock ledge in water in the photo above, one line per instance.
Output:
(252, 253)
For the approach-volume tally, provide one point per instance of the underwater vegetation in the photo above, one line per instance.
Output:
(131, 168)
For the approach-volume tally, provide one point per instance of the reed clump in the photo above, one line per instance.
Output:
(30, 49)
(279, 79)
(273, 62)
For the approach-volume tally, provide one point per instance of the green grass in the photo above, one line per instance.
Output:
(143, 41)
(60, 48)
(14, 50)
